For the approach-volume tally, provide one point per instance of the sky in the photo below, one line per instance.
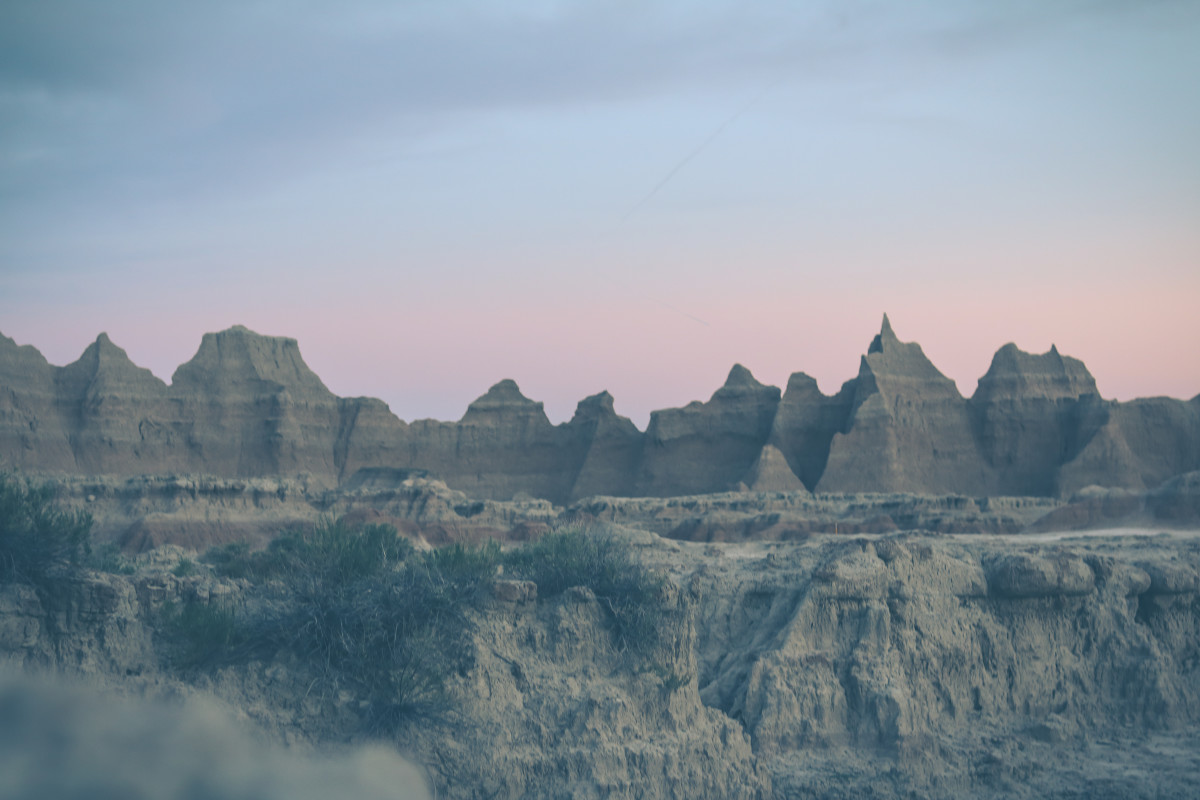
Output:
(621, 195)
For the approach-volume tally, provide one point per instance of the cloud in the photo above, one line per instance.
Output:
(142, 96)
(61, 742)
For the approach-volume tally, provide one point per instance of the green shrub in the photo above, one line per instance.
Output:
(364, 611)
(333, 552)
(202, 633)
(231, 560)
(630, 593)
(184, 568)
(461, 564)
(370, 615)
(35, 533)
(109, 558)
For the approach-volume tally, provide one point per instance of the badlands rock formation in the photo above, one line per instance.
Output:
(705, 447)
(908, 428)
(247, 406)
(841, 667)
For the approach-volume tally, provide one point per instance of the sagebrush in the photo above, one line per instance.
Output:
(373, 616)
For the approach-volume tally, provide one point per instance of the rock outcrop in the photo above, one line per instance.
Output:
(32, 434)
(901, 666)
(708, 447)
(909, 430)
(503, 445)
(1135, 445)
(544, 705)
(614, 448)
(917, 667)
(805, 424)
(248, 406)
(1031, 413)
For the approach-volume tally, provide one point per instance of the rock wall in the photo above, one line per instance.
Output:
(706, 447)
(908, 429)
(897, 666)
(917, 667)
(247, 406)
(545, 706)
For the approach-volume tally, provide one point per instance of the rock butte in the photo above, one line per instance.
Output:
(248, 406)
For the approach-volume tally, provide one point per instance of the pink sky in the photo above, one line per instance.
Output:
(593, 196)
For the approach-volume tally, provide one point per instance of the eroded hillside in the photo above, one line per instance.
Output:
(840, 666)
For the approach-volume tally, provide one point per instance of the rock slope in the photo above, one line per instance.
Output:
(908, 666)
(886, 667)
(247, 406)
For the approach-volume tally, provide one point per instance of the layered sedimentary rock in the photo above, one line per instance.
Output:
(248, 406)
(614, 448)
(708, 447)
(32, 435)
(908, 430)
(963, 670)
(770, 472)
(1134, 445)
(806, 423)
(904, 666)
(503, 445)
(1030, 411)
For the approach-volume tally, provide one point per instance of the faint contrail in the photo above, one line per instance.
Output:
(712, 137)
(684, 313)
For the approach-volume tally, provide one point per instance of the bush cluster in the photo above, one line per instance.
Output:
(374, 616)
(37, 535)
(362, 608)
(631, 595)
(203, 632)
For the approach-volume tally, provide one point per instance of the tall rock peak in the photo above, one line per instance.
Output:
(740, 377)
(104, 366)
(239, 356)
(1051, 376)
(884, 338)
(890, 357)
(503, 397)
(596, 404)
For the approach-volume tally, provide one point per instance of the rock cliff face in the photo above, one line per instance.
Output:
(889, 667)
(806, 423)
(247, 406)
(32, 435)
(503, 445)
(614, 448)
(908, 429)
(545, 705)
(1135, 445)
(967, 670)
(706, 447)
(1030, 412)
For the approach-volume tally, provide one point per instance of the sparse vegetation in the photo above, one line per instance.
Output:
(332, 553)
(36, 534)
(631, 594)
(109, 558)
(202, 633)
(184, 568)
(371, 615)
